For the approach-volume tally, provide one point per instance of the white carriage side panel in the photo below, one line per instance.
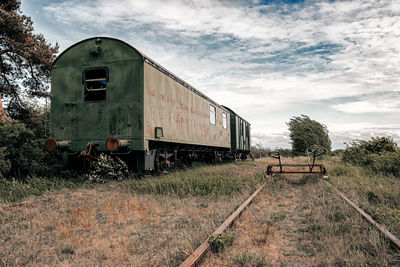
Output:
(183, 114)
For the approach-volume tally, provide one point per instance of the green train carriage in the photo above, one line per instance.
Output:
(106, 96)
(240, 135)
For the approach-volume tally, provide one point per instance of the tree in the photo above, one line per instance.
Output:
(25, 60)
(305, 133)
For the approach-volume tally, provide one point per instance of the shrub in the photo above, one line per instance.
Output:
(5, 164)
(221, 242)
(387, 163)
(21, 151)
(360, 152)
(108, 168)
(380, 154)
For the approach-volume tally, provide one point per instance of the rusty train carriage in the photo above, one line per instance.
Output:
(106, 96)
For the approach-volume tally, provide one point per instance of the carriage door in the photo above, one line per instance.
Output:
(92, 123)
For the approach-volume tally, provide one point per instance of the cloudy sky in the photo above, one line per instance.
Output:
(335, 61)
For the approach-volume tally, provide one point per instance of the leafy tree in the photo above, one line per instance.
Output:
(25, 60)
(305, 133)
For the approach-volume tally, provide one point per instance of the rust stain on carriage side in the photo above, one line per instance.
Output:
(182, 113)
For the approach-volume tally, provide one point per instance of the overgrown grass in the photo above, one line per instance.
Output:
(202, 181)
(106, 225)
(17, 190)
(377, 194)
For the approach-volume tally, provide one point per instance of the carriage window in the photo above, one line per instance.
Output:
(224, 124)
(95, 84)
(212, 115)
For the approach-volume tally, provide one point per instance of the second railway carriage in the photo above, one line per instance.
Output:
(106, 96)
(240, 135)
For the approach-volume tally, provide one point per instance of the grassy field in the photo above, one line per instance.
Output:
(378, 195)
(154, 221)
(159, 221)
(301, 221)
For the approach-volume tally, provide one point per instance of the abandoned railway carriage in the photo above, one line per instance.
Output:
(106, 96)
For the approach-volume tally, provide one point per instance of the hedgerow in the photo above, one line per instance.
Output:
(380, 155)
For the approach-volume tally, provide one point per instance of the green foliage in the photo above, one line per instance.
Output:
(387, 163)
(108, 168)
(380, 154)
(5, 165)
(21, 151)
(337, 152)
(25, 61)
(221, 242)
(305, 133)
(361, 152)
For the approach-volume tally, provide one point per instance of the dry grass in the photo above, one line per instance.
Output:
(303, 222)
(378, 195)
(160, 221)
(112, 225)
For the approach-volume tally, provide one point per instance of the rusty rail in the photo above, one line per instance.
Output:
(198, 253)
(380, 227)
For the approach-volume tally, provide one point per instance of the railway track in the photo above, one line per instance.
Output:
(201, 250)
(383, 229)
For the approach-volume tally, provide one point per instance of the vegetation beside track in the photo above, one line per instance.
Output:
(301, 221)
(212, 181)
(161, 220)
(112, 224)
(377, 194)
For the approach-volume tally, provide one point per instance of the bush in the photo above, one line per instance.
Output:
(221, 242)
(380, 154)
(21, 151)
(5, 164)
(361, 152)
(108, 168)
(387, 163)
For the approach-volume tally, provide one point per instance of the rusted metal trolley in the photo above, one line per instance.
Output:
(311, 167)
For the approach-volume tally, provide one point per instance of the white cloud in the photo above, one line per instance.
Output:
(261, 59)
(370, 106)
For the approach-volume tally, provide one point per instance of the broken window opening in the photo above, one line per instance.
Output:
(95, 84)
